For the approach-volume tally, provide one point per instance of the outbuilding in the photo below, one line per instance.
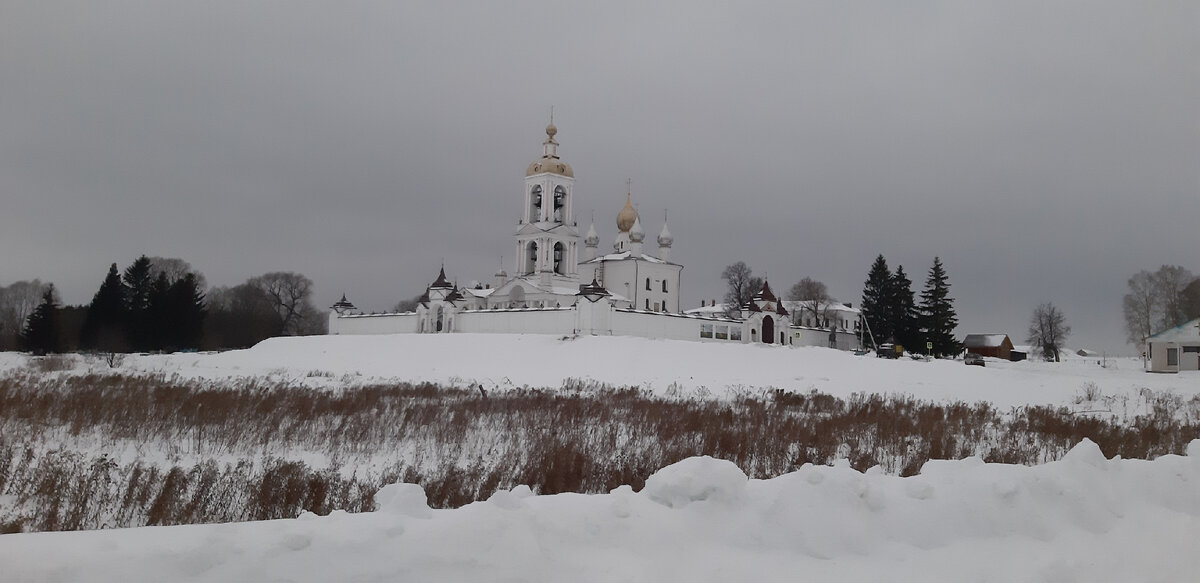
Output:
(993, 345)
(1175, 349)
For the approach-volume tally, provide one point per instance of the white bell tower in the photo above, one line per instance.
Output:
(548, 239)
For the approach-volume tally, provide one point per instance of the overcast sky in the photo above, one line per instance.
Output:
(1046, 151)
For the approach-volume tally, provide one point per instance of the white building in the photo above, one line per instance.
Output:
(1175, 349)
(553, 290)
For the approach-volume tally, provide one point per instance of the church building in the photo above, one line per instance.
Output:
(553, 289)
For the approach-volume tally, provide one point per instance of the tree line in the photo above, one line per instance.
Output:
(893, 314)
(158, 304)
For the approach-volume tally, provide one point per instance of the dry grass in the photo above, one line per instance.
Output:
(462, 446)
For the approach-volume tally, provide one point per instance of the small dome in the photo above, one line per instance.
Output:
(592, 239)
(664, 238)
(626, 217)
(637, 234)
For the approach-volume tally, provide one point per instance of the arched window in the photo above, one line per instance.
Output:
(532, 257)
(535, 204)
(559, 264)
(560, 202)
(664, 286)
(647, 284)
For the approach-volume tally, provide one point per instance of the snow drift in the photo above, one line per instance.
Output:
(1082, 518)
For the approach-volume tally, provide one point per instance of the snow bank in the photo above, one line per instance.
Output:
(1083, 518)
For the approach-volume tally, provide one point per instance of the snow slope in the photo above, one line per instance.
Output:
(1082, 518)
(667, 367)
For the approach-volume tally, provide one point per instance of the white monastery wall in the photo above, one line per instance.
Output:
(805, 336)
(531, 321)
(404, 323)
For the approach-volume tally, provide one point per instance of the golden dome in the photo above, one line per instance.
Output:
(626, 217)
(550, 164)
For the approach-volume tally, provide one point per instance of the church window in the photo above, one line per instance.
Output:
(531, 257)
(559, 267)
(535, 204)
(647, 303)
(664, 286)
(560, 202)
(647, 284)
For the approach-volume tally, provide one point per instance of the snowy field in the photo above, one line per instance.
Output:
(687, 369)
(1083, 518)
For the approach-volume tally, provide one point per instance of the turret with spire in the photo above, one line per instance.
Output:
(636, 236)
(590, 242)
(665, 240)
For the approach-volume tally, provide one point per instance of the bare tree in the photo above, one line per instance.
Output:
(1140, 306)
(1169, 283)
(407, 305)
(1157, 301)
(175, 270)
(290, 295)
(17, 302)
(814, 299)
(1191, 300)
(1048, 330)
(742, 285)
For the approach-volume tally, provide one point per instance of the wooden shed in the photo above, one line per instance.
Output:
(993, 345)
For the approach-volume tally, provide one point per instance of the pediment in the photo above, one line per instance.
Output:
(530, 229)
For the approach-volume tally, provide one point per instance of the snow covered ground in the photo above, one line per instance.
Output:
(666, 367)
(1082, 518)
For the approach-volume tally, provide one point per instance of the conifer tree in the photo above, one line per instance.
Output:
(159, 315)
(938, 319)
(104, 325)
(876, 302)
(41, 332)
(904, 314)
(137, 281)
(187, 312)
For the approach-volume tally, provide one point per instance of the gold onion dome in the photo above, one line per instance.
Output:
(626, 217)
(550, 162)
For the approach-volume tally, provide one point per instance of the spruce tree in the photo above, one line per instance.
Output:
(904, 314)
(938, 319)
(104, 326)
(137, 282)
(187, 312)
(876, 301)
(160, 315)
(40, 334)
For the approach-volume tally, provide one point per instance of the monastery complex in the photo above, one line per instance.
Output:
(557, 289)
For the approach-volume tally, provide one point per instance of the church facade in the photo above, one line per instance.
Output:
(555, 289)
